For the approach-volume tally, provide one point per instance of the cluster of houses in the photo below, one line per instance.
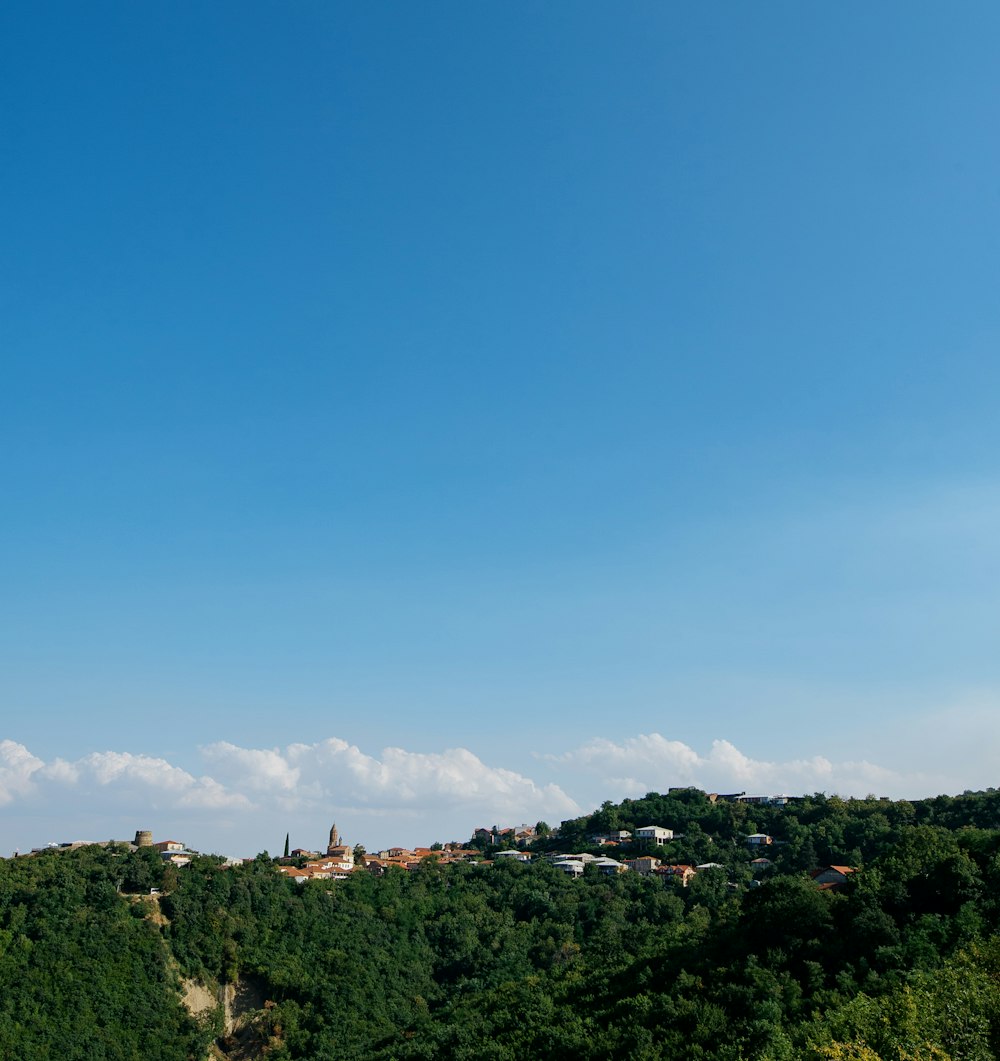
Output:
(341, 860)
(520, 835)
(645, 865)
(779, 800)
(172, 851)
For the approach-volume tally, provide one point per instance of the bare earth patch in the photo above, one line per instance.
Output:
(197, 998)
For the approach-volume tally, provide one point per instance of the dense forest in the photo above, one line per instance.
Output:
(516, 960)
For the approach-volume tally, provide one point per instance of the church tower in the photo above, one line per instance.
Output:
(334, 839)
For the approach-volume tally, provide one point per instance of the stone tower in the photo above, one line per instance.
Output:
(143, 838)
(334, 838)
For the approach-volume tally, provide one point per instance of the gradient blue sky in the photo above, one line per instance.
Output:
(496, 377)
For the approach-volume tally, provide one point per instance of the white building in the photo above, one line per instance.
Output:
(516, 856)
(654, 833)
(759, 840)
(609, 866)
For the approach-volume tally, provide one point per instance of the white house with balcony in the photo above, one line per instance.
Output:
(654, 834)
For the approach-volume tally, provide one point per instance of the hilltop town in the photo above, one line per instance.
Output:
(649, 850)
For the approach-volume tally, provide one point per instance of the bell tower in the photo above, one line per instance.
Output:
(334, 838)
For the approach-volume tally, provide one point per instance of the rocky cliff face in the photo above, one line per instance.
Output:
(242, 1010)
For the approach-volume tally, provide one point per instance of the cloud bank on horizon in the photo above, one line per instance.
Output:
(247, 796)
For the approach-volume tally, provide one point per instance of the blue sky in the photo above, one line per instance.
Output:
(500, 379)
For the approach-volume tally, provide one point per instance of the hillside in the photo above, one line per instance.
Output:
(897, 957)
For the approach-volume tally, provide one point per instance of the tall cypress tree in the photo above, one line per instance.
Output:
(286, 845)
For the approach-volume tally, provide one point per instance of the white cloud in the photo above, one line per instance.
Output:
(259, 769)
(17, 765)
(206, 793)
(252, 796)
(60, 770)
(24, 775)
(110, 767)
(336, 773)
(654, 763)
